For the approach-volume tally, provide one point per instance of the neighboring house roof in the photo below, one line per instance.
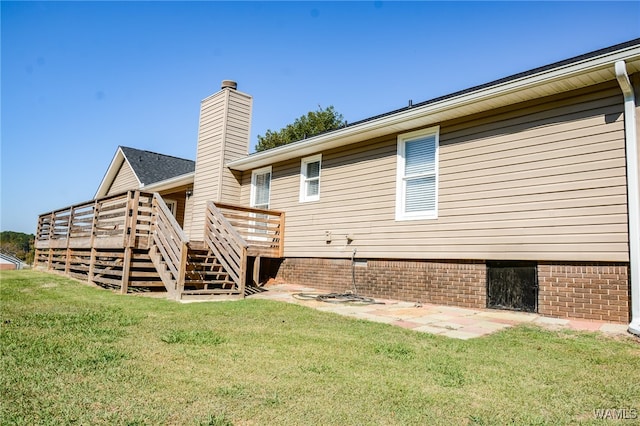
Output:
(574, 73)
(6, 258)
(150, 168)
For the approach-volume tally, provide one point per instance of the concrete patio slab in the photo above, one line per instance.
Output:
(430, 329)
(450, 321)
(459, 334)
(614, 328)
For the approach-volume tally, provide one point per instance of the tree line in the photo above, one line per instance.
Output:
(18, 244)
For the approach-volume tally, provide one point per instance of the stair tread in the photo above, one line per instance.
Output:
(212, 291)
(210, 282)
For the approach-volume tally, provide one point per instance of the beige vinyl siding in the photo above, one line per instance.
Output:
(236, 144)
(207, 170)
(223, 135)
(543, 180)
(125, 180)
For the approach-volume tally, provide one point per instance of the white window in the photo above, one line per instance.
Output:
(261, 188)
(310, 178)
(173, 206)
(417, 179)
(260, 195)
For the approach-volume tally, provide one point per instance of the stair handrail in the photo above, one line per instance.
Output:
(226, 244)
(171, 241)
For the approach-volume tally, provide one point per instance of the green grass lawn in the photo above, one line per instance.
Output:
(74, 354)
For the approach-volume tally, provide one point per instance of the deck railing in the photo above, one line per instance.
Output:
(121, 220)
(263, 230)
(233, 233)
(104, 239)
(227, 245)
(171, 243)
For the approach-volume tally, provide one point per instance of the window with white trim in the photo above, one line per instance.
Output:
(172, 205)
(260, 198)
(261, 188)
(310, 178)
(417, 175)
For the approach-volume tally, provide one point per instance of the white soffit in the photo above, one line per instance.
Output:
(563, 78)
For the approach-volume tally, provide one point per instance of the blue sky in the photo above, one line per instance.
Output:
(80, 78)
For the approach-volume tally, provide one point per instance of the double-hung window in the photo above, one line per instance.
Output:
(261, 188)
(417, 175)
(310, 178)
(260, 195)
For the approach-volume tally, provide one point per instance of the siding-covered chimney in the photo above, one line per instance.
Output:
(223, 136)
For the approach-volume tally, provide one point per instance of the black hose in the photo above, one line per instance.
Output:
(351, 298)
(353, 271)
(338, 298)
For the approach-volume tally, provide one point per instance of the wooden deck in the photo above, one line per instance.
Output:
(131, 240)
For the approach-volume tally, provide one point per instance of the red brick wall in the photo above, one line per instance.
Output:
(458, 283)
(591, 291)
(584, 290)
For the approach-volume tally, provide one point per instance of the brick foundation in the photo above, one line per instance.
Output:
(457, 283)
(593, 291)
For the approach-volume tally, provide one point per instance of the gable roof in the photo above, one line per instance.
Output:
(574, 73)
(149, 168)
(152, 167)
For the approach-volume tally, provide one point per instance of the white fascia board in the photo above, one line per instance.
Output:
(112, 172)
(116, 161)
(174, 182)
(420, 116)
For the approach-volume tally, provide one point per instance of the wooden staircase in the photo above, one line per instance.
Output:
(206, 276)
(132, 242)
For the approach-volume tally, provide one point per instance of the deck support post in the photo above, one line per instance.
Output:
(256, 270)
(94, 252)
(131, 219)
(51, 230)
(182, 271)
(243, 272)
(92, 264)
(126, 269)
(67, 263)
(281, 245)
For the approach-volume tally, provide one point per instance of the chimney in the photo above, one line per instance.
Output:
(218, 143)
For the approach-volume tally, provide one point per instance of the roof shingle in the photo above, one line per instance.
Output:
(152, 167)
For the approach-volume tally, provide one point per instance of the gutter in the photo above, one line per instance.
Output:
(633, 202)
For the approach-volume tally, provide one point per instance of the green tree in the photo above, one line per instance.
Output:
(17, 244)
(311, 124)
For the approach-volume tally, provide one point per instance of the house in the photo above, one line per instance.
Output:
(8, 262)
(521, 193)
